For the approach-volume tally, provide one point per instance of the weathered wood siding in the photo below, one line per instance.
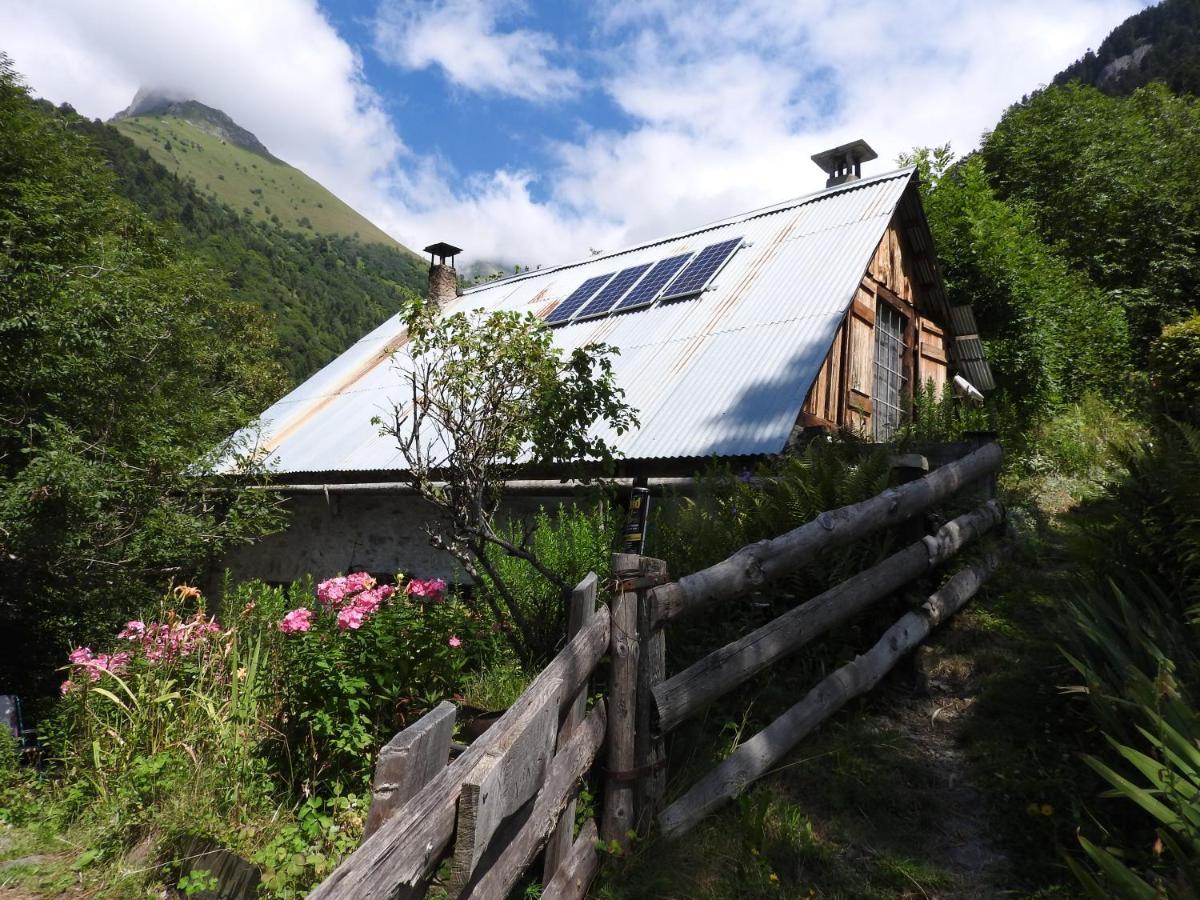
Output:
(841, 394)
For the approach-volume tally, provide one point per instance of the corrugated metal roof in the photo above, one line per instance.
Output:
(725, 373)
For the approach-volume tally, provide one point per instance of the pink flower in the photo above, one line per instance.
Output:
(359, 581)
(133, 631)
(115, 663)
(298, 620)
(454, 641)
(433, 589)
(66, 686)
(331, 593)
(350, 617)
(80, 656)
(369, 601)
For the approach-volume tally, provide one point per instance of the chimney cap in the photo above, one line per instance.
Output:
(441, 248)
(846, 156)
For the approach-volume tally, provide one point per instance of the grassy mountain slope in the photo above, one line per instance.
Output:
(1161, 43)
(322, 292)
(260, 186)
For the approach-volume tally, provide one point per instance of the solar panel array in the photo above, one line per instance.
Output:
(701, 270)
(648, 288)
(579, 296)
(613, 291)
(683, 275)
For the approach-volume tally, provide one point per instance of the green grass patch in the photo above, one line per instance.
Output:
(237, 176)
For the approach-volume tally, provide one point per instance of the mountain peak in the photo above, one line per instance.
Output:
(157, 102)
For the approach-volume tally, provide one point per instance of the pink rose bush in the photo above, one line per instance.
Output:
(297, 621)
(434, 589)
(352, 598)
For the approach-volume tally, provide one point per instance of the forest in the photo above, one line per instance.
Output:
(144, 323)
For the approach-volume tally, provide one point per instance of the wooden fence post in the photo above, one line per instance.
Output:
(650, 754)
(580, 612)
(408, 761)
(622, 711)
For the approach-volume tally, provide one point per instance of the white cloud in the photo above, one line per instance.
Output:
(276, 66)
(731, 102)
(463, 39)
(727, 101)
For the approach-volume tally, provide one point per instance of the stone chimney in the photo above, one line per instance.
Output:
(443, 277)
(844, 163)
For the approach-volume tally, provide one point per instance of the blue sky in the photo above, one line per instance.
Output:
(533, 131)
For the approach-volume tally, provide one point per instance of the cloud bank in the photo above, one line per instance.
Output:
(719, 104)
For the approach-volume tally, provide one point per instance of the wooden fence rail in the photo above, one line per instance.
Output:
(755, 757)
(511, 794)
(753, 566)
(398, 859)
(686, 693)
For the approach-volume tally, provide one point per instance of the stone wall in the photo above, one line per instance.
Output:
(377, 533)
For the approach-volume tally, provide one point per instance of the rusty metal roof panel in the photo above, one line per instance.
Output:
(724, 373)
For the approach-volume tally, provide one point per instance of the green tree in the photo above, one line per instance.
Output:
(1050, 333)
(126, 363)
(1113, 181)
(489, 394)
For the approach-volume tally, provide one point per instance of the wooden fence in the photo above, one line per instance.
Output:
(511, 794)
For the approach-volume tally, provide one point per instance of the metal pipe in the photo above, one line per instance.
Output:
(549, 488)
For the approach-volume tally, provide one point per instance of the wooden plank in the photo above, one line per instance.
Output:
(408, 762)
(863, 310)
(889, 296)
(932, 351)
(649, 751)
(398, 859)
(575, 875)
(618, 818)
(757, 564)
(510, 774)
(581, 610)
(516, 847)
(688, 692)
(809, 420)
(929, 325)
(759, 754)
(859, 403)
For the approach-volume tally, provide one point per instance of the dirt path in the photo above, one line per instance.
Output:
(931, 718)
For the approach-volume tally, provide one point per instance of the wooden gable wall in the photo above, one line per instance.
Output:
(841, 395)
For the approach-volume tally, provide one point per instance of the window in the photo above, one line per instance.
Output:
(886, 409)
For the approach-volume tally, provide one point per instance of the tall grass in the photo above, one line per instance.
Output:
(1131, 633)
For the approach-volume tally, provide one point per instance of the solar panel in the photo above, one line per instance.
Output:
(613, 291)
(646, 290)
(696, 276)
(577, 298)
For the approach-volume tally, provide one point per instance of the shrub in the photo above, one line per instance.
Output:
(1085, 439)
(729, 510)
(356, 661)
(573, 541)
(1175, 367)
(256, 732)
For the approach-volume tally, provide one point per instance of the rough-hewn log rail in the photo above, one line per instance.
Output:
(408, 762)
(511, 774)
(756, 564)
(512, 853)
(397, 860)
(582, 609)
(724, 669)
(754, 758)
(617, 818)
(573, 878)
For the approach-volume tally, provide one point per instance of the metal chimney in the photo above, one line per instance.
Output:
(443, 277)
(844, 163)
